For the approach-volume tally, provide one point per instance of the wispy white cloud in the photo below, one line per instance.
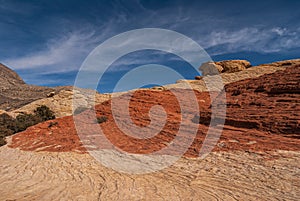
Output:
(63, 52)
(72, 36)
(144, 39)
(252, 39)
(67, 52)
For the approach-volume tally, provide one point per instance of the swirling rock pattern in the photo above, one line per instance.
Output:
(221, 176)
(251, 161)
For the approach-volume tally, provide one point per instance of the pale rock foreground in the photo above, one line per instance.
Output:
(220, 176)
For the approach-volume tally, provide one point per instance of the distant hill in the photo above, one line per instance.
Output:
(9, 77)
(15, 93)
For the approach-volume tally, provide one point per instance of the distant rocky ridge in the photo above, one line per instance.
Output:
(18, 97)
(9, 77)
(15, 93)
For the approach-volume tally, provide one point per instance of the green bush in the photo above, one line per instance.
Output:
(2, 141)
(51, 124)
(9, 125)
(44, 113)
(6, 121)
(24, 121)
(101, 119)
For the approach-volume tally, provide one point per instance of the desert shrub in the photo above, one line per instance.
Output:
(9, 125)
(6, 123)
(101, 119)
(51, 124)
(3, 133)
(44, 113)
(2, 141)
(24, 121)
(41, 114)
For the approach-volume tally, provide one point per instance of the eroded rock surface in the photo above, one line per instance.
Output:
(231, 66)
(218, 81)
(220, 176)
(251, 112)
(256, 157)
(270, 103)
(63, 103)
(228, 66)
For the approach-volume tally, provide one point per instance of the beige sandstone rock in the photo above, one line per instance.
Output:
(51, 94)
(160, 88)
(252, 72)
(220, 176)
(231, 66)
(62, 103)
(198, 77)
(210, 68)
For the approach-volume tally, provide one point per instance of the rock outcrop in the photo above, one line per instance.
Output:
(31, 176)
(226, 78)
(232, 66)
(62, 103)
(255, 158)
(15, 93)
(210, 68)
(18, 97)
(269, 103)
(9, 77)
(229, 66)
(255, 107)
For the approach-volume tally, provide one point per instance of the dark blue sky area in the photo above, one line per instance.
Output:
(46, 41)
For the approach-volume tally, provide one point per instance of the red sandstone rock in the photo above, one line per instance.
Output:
(262, 114)
(269, 103)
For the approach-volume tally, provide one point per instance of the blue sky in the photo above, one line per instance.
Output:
(46, 41)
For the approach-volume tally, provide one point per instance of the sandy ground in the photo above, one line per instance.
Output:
(26, 175)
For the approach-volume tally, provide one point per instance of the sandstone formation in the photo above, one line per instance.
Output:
(229, 66)
(270, 103)
(62, 103)
(226, 78)
(158, 88)
(255, 158)
(9, 77)
(18, 97)
(210, 68)
(248, 116)
(198, 77)
(31, 176)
